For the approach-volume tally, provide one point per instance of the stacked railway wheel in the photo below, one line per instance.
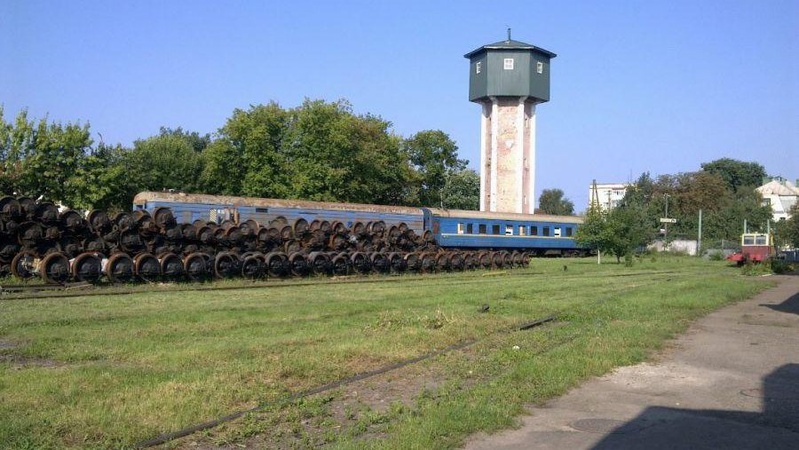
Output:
(38, 240)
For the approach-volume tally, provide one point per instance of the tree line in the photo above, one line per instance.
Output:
(324, 151)
(319, 151)
(723, 190)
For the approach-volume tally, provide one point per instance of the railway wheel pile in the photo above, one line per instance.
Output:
(38, 240)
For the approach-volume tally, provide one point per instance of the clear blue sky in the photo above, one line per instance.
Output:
(658, 86)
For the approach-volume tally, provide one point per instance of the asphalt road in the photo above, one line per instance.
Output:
(730, 382)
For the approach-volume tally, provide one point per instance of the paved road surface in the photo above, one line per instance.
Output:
(731, 382)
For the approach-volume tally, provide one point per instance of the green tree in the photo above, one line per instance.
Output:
(252, 152)
(790, 228)
(736, 173)
(462, 191)
(38, 157)
(165, 161)
(553, 201)
(340, 156)
(434, 156)
(102, 181)
(593, 232)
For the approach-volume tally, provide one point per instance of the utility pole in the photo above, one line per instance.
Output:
(699, 238)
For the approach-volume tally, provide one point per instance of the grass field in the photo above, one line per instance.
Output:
(113, 371)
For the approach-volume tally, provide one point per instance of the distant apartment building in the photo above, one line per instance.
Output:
(781, 195)
(609, 195)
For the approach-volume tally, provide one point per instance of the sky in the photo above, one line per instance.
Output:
(658, 86)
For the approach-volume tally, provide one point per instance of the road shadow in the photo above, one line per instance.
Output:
(790, 305)
(776, 427)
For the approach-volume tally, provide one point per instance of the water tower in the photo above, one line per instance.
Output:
(508, 78)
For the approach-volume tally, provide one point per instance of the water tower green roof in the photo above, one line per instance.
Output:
(509, 44)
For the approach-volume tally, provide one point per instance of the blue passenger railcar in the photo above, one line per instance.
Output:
(539, 233)
(188, 208)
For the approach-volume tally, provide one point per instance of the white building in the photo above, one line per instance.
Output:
(781, 195)
(609, 195)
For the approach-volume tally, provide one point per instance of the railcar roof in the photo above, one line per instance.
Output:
(454, 213)
(230, 201)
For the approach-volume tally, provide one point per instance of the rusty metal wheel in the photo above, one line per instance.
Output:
(99, 221)
(163, 217)
(24, 265)
(196, 266)
(47, 213)
(457, 261)
(277, 264)
(54, 268)
(72, 221)
(380, 262)
(172, 267)
(358, 228)
(253, 266)
(119, 268)
(360, 262)
(300, 227)
(340, 263)
(30, 233)
(396, 262)
(320, 263)
(10, 207)
(428, 262)
(412, 262)
(292, 246)
(87, 267)
(299, 265)
(146, 266)
(226, 265)
(338, 227)
(443, 261)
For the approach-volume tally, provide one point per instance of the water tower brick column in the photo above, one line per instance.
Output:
(508, 155)
(508, 79)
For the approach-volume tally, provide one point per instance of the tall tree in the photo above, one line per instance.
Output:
(553, 201)
(791, 227)
(38, 157)
(434, 156)
(462, 190)
(736, 173)
(165, 161)
(102, 181)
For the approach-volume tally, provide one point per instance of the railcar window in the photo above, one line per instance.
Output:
(749, 240)
(534, 230)
(262, 210)
(469, 229)
(494, 229)
(569, 231)
(460, 228)
(508, 230)
(557, 231)
(760, 240)
(482, 228)
(522, 230)
(545, 232)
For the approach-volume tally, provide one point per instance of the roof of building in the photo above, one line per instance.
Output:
(776, 187)
(509, 44)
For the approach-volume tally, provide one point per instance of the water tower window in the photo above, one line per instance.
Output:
(508, 63)
(539, 67)
(477, 66)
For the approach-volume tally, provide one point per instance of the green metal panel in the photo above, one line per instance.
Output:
(508, 82)
(478, 80)
(528, 78)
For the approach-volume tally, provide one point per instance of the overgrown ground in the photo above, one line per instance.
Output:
(114, 371)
